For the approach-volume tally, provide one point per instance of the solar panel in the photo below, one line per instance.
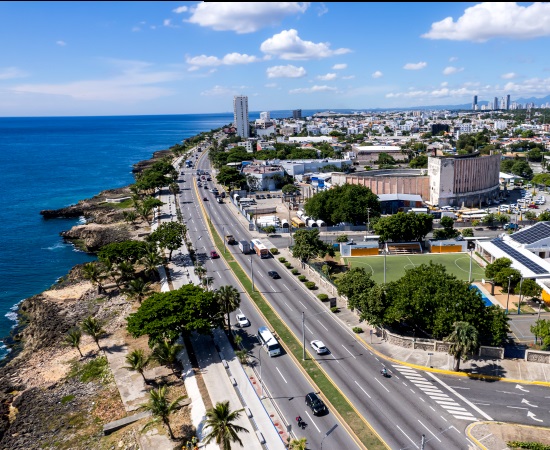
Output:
(533, 234)
(519, 257)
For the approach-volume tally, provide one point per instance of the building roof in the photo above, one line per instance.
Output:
(536, 233)
(404, 197)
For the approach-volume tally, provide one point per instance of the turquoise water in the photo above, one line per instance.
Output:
(483, 296)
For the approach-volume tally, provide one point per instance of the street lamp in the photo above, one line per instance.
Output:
(519, 302)
(327, 433)
(252, 273)
(303, 336)
(223, 237)
(368, 220)
(470, 275)
(508, 298)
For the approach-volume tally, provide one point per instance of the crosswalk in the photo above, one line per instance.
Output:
(431, 390)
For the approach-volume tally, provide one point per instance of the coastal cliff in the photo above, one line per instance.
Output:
(45, 400)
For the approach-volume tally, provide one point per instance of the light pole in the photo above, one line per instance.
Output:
(252, 274)
(508, 298)
(327, 433)
(261, 380)
(223, 237)
(519, 302)
(368, 220)
(470, 275)
(384, 263)
(303, 336)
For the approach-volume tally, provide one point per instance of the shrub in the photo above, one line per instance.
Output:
(528, 445)
(310, 285)
(357, 330)
(96, 369)
(302, 278)
(295, 272)
(281, 259)
(342, 238)
(274, 251)
(288, 265)
(335, 309)
(323, 297)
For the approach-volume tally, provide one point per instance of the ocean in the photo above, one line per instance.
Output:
(53, 162)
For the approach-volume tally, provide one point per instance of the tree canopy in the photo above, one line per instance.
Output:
(346, 203)
(166, 315)
(127, 251)
(228, 175)
(169, 235)
(307, 245)
(404, 227)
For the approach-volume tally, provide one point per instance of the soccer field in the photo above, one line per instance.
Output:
(457, 264)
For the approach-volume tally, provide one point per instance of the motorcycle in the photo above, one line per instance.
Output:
(385, 373)
(301, 423)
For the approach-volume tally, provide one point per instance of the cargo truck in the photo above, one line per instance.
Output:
(244, 246)
(230, 239)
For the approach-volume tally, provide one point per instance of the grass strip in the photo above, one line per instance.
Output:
(365, 435)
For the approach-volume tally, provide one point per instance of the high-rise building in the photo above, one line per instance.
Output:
(240, 115)
(474, 103)
(297, 114)
(508, 101)
(264, 116)
(495, 103)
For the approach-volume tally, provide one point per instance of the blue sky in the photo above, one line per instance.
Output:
(113, 58)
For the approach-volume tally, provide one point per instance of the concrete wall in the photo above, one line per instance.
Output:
(399, 184)
(537, 356)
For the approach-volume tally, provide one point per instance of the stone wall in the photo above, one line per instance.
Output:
(537, 356)
(491, 352)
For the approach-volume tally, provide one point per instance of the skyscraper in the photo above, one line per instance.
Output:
(474, 103)
(508, 101)
(240, 115)
(297, 114)
(495, 103)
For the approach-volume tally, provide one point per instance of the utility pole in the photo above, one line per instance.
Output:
(368, 220)
(423, 442)
(303, 336)
(508, 298)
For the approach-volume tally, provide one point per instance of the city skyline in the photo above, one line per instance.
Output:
(123, 58)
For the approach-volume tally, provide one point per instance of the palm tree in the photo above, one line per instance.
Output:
(298, 444)
(151, 261)
(207, 282)
(92, 327)
(138, 289)
(166, 353)
(200, 271)
(137, 362)
(464, 339)
(126, 271)
(229, 300)
(161, 408)
(220, 420)
(92, 271)
(72, 339)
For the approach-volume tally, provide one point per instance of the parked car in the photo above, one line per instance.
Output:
(319, 347)
(242, 321)
(317, 405)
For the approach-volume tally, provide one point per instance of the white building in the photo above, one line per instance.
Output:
(240, 115)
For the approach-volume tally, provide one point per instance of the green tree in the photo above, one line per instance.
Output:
(307, 245)
(530, 288)
(522, 169)
(489, 220)
(72, 339)
(229, 299)
(126, 251)
(220, 420)
(166, 353)
(496, 266)
(161, 407)
(467, 232)
(151, 261)
(544, 216)
(385, 159)
(404, 227)
(92, 327)
(298, 444)
(464, 340)
(166, 315)
(342, 238)
(229, 175)
(353, 283)
(125, 271)
(137, 362)
(503, 276)
(419, 162)
(542, 179)
(138, 289)
(93, 272)
(541, 329)
(290, 189)
(169, 235)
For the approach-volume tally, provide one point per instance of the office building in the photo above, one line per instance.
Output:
(495, 103)
(508, 102)
(240, 116)
(297, 114)
(474, 103)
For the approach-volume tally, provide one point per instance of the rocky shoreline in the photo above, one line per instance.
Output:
(42, 405)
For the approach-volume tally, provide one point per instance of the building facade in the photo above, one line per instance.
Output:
(240, 116)
(469, 180)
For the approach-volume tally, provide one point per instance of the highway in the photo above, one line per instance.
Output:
(402, 408)
(282, 380)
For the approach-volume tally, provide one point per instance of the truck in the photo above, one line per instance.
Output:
(229, 239)
(510, 226)
(244, 246)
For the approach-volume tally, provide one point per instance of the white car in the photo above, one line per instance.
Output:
(319, 347)
(242, 321)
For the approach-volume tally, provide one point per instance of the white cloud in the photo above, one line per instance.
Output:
(453, 58)
(339, 66)
(218, 91)
(168, 23)
(445, 83)
(288, 45)
(327, 77)
(231, 59)
(8, 73)
(61, 43)
(321, 9)
(489, 20)
(415, 66)
(451, 70)
(288, 71)
(312, 90)
(244, 17)
(509, 75)
(270, 85)
(134, 83)
(180, 9)
(348, 77)
(377, 74)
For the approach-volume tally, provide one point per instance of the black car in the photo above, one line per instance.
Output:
(273, 274)
(317, 405)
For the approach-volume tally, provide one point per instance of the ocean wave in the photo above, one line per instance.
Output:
(82, 220)
(12, 314)
(56, 246)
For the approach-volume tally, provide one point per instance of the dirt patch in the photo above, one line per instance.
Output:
(496, 435)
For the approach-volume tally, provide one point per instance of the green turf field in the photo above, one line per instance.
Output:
(457, 264)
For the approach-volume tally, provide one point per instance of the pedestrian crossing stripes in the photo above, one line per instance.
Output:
(435, 393)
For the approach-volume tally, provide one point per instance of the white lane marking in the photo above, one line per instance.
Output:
(287, 288)
(302, 304)
(482, 404)
(351, 354)
(260, 273)
(219, 274)
(360, 387)
(515, 407)
(459, 387)
(313, 422)
(383, 385)
(465, 400)
(332, 354)
(272, 288)
(422, 399)
(407, 436)
(420, 382)
(429, 431)
(288, 306)
(308, 329)
(443, 418)
(322, 324)
(457, 409)
(281, 375)
(432, 408)
(464, 417)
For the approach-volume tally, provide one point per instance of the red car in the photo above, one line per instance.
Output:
(533, 207)
(214, 255)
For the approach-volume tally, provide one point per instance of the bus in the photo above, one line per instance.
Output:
(260, 249)
(296, 222)
(268, 341)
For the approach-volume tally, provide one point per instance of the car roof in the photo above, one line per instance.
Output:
(318, 342)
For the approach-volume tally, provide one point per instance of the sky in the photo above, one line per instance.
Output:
(91, 58)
